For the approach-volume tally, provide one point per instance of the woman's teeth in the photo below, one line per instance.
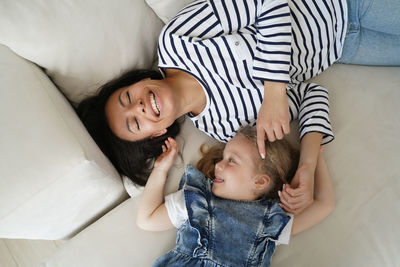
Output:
(154, 104)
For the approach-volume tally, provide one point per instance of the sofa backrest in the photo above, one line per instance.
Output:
(81, 44)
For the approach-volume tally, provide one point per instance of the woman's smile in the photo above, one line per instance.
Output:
(144, 109)
(148, 107)
(155, 103)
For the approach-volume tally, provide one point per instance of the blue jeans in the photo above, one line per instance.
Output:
(373, 33)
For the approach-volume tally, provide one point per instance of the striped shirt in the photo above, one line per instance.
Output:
(232, 47)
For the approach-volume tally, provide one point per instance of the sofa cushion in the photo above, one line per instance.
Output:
(54, 180)
(81, 44)
(167, 9)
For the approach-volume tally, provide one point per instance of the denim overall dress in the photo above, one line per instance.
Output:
(221, 232)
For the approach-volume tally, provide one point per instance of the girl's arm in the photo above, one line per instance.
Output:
(299, 195)
(152, 213)
(324, 200)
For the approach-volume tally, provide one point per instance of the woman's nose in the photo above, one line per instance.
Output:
(138, 106)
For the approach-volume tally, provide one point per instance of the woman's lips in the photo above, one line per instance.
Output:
(159, 104)
(154, 104)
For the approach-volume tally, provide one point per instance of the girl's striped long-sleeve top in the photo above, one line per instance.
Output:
(232, 47)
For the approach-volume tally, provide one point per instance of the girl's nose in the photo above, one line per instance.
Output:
(219, 166)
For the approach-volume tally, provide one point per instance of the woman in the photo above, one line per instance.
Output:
(230, 63)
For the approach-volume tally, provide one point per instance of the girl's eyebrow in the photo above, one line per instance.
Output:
(234, 154)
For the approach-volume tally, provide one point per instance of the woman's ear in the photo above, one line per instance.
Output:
(261, 182)
(159, 133)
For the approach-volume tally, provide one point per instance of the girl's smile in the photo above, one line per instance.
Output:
(235, 172)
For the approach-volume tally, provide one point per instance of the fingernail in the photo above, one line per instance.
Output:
(262, 156)
(284, 185)
(279, 193)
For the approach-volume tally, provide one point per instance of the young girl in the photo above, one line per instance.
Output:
(234, 219)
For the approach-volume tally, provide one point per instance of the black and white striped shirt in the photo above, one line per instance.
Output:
(232, 47)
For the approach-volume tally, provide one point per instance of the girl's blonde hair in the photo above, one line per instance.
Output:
(280, 162)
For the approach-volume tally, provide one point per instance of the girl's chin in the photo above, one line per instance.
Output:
(217, 192)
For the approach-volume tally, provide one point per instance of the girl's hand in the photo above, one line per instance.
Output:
(273, 116)
(167, 158)
(300, 194)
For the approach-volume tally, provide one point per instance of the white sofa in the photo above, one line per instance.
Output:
(55, 182)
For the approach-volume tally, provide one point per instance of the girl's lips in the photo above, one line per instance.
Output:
(218, 180)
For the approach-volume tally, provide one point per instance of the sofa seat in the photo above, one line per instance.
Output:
(363, 162)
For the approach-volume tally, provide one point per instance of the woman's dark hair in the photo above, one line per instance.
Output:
(133, 159)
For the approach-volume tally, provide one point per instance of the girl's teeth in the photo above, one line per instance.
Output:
(154, 104)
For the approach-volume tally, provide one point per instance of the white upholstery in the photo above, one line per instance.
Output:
(167, 9)
(363, 162)
(53, 178)
(81, 44)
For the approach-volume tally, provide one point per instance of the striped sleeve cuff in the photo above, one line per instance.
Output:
(317, 123)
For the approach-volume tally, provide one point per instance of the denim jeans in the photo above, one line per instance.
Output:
(373, 33)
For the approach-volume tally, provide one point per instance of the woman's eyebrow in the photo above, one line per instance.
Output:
(127, 125)
(120, 99)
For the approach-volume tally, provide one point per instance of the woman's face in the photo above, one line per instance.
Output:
(234, 174)
(141, 110)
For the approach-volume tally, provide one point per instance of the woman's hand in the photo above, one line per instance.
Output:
(167, 158)
(300, 194)
(273, 116)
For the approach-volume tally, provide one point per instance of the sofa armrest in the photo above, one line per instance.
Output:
(54, 180)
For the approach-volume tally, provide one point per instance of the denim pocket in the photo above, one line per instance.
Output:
(353, 18)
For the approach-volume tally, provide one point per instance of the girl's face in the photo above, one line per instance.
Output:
(143, 109)
(235, 173)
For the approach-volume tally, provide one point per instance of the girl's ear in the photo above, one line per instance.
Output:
(261, 182)
(159, 133)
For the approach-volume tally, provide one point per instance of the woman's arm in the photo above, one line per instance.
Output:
(272, 21)
(152, 213)
(273, 115)
(270, 18)
(324, 200)
(271, 64)
(300, 193)
(311, 107)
